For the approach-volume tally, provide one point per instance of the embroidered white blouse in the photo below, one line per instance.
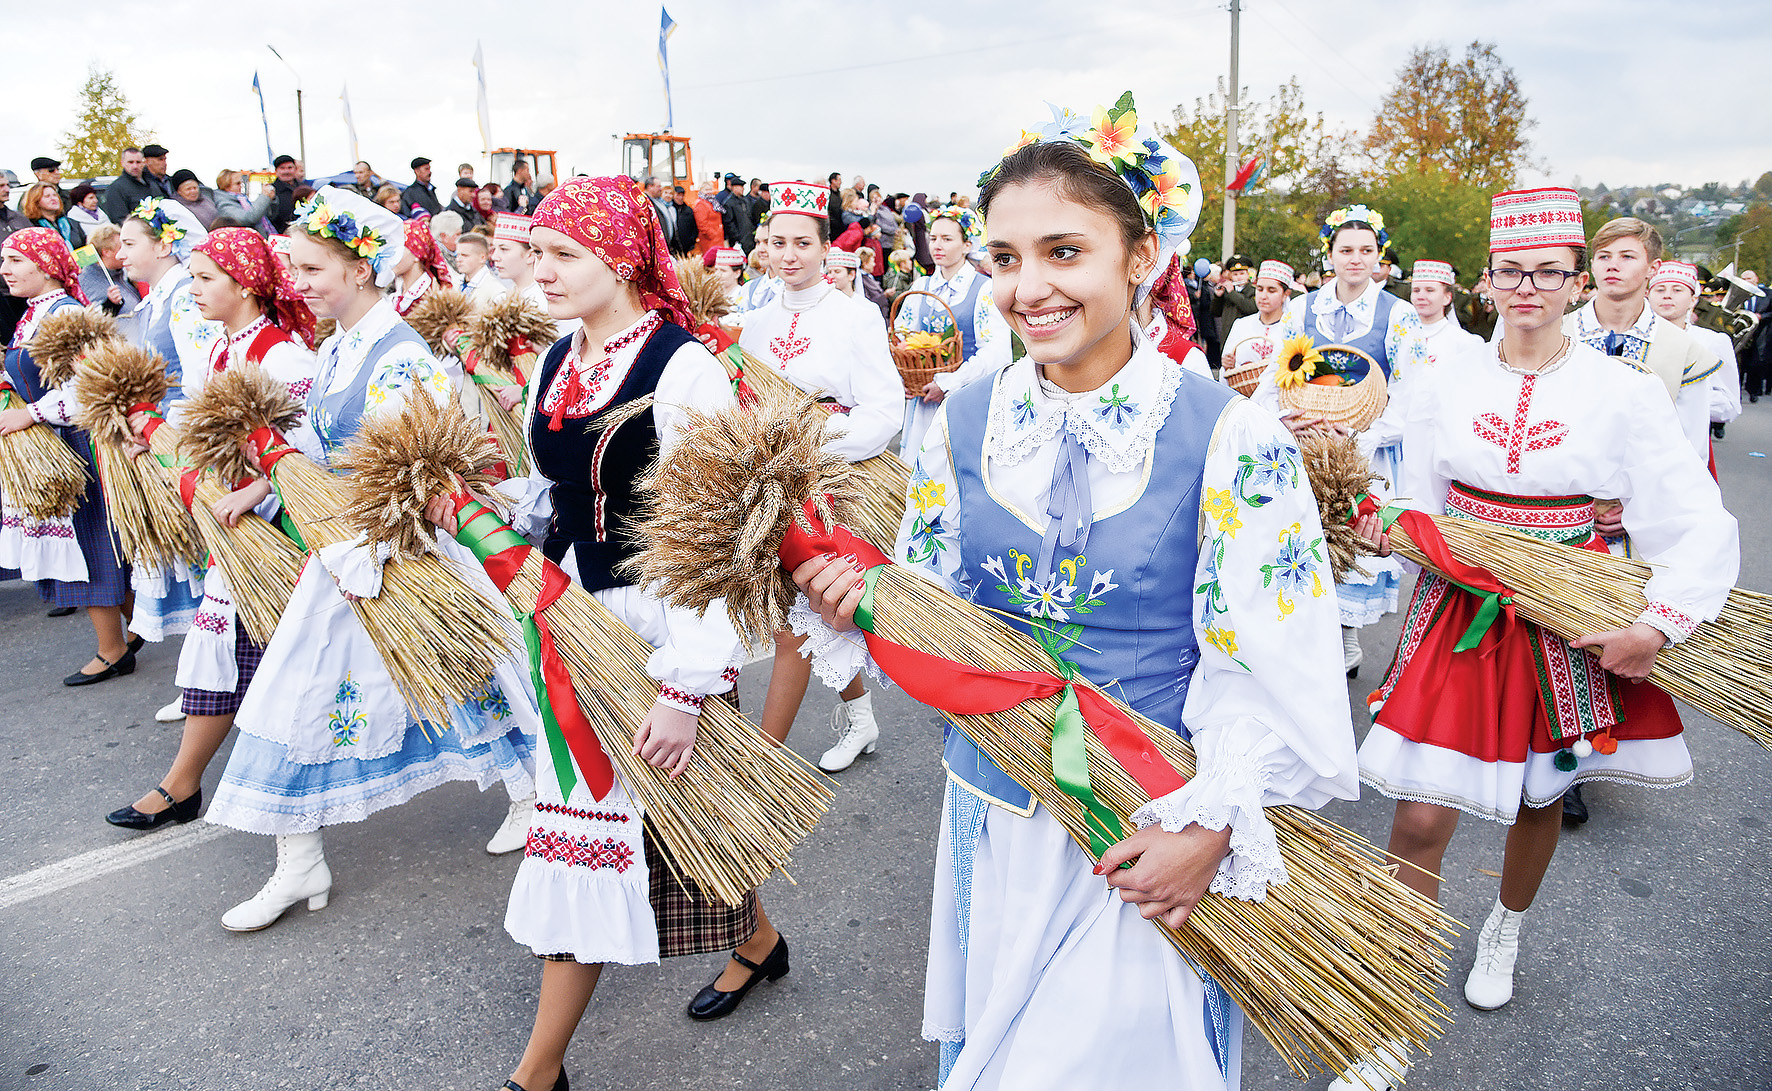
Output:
(695, 654)
(191, 332)
(1267, 704)
(1583, 426)
(991, 348)
(1446, 339)
(1691, 400)
(395, 373)
(823, 340)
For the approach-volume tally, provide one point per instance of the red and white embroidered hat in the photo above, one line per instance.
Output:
(279, 244)
(1276, 270)
(510, 227)
(730, 256)
(841, 259)
(804, 198)
(1524, 219)
(1676, 272)
(1433, 272)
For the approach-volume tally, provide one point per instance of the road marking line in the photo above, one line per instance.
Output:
(75, 870)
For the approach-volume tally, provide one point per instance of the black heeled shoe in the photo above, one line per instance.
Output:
(561, 1084)
(1574, 808)
(711, 1003)
(176, 811)
(125, 664)
(61, 611)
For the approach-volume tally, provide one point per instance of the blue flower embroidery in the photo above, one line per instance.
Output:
(347, 722)
(1024, 410)
(1274, 466)
(1297, 568)
(492, 701)
(926, 540)
(1117, 410)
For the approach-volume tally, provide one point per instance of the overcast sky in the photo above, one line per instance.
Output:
(784, 88)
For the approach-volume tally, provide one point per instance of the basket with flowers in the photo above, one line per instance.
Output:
(921, 355)
(1337, 384)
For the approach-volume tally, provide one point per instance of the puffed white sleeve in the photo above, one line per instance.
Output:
(1692, 403)
(1675, 517)
(876, 394)
(1267, 706)
(1725, 387)
(295, 367)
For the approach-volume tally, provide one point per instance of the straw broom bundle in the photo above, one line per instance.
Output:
(261, 564)
(734, 816)
(507, 336)
(151, 521)
(1332, 965)
(67, 335)
(439, 317)
(1724, 669)
(445, 319)
(39, 473)
(439, 638)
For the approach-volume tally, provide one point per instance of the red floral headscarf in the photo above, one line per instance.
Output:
(616, 221)
(244, 255)
(44, 247)
(1169, 295)
(422, 245)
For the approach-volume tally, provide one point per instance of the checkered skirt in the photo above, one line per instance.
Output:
(203, 702)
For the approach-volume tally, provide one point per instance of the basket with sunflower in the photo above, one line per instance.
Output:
(1337, 384)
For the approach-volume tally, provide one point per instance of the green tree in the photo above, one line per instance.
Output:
(1435, 216)
(1763, 187)
(1753, 229)
(1467, 117)
(103, 126)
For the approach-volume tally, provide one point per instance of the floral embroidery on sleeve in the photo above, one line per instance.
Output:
(1297, 568)
(928, 536)
(1275, 469)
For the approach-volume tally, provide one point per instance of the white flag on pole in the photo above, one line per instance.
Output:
(344, 96)
(480, 99)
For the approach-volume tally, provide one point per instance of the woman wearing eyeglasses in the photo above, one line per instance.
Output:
(1525, 433)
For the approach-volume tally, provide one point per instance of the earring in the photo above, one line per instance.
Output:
(244, 294)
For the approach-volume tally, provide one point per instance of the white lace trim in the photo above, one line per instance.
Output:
(836, 657)
(932, 1033)
(241, 815)
(1230, 795)
(1120, 453)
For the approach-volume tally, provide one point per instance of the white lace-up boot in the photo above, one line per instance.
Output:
(1383, 1071)
(513, 832)
(301, 873)
(857, 734)
(172, 713)
(1350, 650)
(1491, 983)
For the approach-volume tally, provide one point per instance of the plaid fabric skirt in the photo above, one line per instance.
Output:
(203, 702)
(107, 581)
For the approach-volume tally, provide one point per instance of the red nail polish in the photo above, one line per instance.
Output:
(1100, 869)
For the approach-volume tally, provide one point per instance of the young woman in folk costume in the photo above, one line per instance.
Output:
(984, 344)
(1167, 319)
(822, 340)
(237, 282)
(421, 269)
(1157, 531)
(1524, 434)
(1431, 285)
(1353, 309)
(324, 735)
(602, 257)
(73, 560)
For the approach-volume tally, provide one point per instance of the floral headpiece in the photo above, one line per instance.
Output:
(970, 223)
(322, 219)
(1166, 182)
(161, 225)
(1354, 214)
(367, 230)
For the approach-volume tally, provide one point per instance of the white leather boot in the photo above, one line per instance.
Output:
(857, 733)
(301, 873)
(1383, 1071)
(1491, 983)
(513, 832)
(171, 714)
(1350, 650)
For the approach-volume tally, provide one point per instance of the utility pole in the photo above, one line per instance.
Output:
(1230, 141)
(301, 130)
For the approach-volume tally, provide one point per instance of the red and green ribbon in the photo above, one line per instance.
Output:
(1495, 600)
(961, 689)
(502, 551)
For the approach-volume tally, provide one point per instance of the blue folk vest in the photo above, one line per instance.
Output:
(1371, 342)
(1127, 601)
(157, 335)
(965, 312)
(336, 417)
(22, 369)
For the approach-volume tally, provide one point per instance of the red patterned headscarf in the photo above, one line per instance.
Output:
(422, 245)
(44, 247)
(1169, 295)
(616, 221)
(244, 255)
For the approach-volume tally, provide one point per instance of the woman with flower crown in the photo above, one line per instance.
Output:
(1155, 531)
(824, 341)
(324, 735)
(1353, 309)
(984, 346)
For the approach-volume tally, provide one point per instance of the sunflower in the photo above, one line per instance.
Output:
(1298, 362)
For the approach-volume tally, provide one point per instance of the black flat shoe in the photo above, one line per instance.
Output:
(61, 611)
(176, 811)
(135, 644)
(561, 1084)
(1574, 810)
(711, 1003)
(125, 665)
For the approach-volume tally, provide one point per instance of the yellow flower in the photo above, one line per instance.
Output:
(1110, 140)
(1298, 361)
(930, 494)
(1026, 139)
(1221, 505)
(1225, 640)
(367, 245)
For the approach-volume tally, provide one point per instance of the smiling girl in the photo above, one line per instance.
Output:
(1155, 530)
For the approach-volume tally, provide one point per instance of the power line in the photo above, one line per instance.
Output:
(1308, 55)
(1329, 45)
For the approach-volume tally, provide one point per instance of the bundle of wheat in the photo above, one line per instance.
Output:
(439, 638)
(708, 301)
(65, 336)
(441, 318)
(732, 818)
(1333, 965)
(505, 339)
(40, 474)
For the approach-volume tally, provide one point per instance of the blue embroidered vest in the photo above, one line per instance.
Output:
(157, 335)
(1371, 342)
(931, 315)
(335, 418)
(1122, 610)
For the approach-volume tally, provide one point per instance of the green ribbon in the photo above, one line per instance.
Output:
(1489, 604)
(487, 543)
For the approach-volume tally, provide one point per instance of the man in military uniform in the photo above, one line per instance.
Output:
(1234, 296)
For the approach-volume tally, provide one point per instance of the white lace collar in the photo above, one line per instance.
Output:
(961, 281)
(1324, 301)
(1116, 423)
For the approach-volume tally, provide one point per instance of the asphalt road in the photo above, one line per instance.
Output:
(1646, 962)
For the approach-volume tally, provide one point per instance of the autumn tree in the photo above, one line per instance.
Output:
(103, 126)
(1434, 215)
(1465, 117)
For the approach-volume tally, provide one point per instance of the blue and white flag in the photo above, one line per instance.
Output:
(665, 26)
(259, 91)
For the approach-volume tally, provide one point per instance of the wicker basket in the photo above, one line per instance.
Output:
(918, 367)
(1353, 407)
(1249, 361)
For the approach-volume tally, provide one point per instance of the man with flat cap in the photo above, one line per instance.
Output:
(735, 213)
(284, 187)
(421, 195)
(1234, 296)
(131, 186)
(154, 172)
(49, 172)
(462, 204)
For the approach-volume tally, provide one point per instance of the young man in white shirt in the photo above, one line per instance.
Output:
(478, 279)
